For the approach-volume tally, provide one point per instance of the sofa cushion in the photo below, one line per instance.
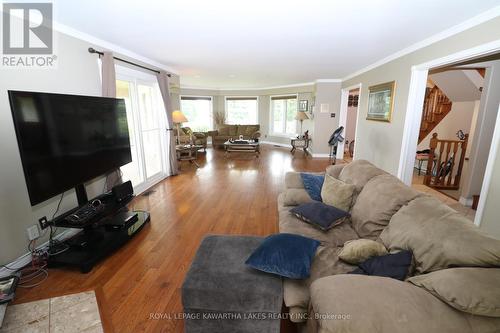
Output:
(335, 170)
(296, 292)
(296, 196)
(233, 130)
(358, 173)
(320, 215)
(381, 305)
(286, 255)
(250, 130)
(359, 250)
(472, 290)
(394, 265)
(293, 179)
(381, 197)
(313, 184)
(223, 130)
(337, 193)
(288, 223)
(439, 237)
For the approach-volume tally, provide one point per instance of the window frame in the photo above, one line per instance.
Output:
(272, 131)
(201, 97)
(256, 98)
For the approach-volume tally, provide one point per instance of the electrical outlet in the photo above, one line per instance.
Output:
(44, 223)
(33, 232)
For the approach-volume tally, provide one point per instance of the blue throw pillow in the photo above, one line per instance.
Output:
(320, 215)
(395, 265)
(313, 185)
(287, 255)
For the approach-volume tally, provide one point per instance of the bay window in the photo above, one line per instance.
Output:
(283, 111)
(241, 110)
(198, 110)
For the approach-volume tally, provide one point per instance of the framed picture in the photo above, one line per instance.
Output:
(381, 101)
(303, 105)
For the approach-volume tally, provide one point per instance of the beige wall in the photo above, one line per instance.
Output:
(264, 95)
(328, 94)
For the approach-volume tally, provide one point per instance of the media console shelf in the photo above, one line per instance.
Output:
(90, 246)
(99, 237)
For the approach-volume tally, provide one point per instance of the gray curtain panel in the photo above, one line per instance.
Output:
(163, 83)
(109, 90)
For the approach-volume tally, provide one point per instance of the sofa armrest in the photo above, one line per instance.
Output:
(213, 133)
(359, 303)
(334, 170)
(199, 135)
(256, 135)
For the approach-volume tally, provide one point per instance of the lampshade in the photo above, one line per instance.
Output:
(178, 117)
(301, 116)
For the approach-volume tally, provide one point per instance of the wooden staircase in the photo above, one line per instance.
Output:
(436, 107)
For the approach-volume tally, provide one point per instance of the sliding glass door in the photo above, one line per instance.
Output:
(147, 127)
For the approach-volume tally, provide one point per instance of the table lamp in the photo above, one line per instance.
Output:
(301, 116)
(178, 118)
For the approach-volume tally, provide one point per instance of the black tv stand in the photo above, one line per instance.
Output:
(91, 245)
(99, 237)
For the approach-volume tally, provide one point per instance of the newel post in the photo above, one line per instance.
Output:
(430, 161)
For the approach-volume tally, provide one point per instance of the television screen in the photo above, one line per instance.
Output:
(66, 140)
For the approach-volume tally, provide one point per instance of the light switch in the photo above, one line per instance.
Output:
(325, 107)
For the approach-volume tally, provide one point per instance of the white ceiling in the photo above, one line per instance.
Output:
(254, 44)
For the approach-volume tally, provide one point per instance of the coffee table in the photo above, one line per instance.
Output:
(242, 146)
(188, 153)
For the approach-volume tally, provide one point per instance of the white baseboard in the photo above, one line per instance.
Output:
(467, 202)
(276, 144)
(320, 155)
(26, 258)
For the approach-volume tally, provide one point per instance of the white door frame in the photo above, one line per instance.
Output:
(344, 101)
(488, 173)
(414, 110)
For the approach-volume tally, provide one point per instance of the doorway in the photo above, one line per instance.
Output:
(147, 127)
(348, 118)
(450, 114)
(416, 97)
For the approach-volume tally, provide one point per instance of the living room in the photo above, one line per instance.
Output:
(115, 223)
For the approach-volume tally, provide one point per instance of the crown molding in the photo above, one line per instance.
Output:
(110, 46)
(328, 80)
(456, 29)
(303, 84)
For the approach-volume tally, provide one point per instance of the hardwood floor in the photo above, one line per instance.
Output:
(236, 195)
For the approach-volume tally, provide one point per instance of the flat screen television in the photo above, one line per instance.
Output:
(67, 140)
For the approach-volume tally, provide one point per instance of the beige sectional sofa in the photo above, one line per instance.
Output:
(225, 132)
(387, 211)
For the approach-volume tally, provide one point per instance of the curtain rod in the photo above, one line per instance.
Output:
(92, 50)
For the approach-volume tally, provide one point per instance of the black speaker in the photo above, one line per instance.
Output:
(123, 191)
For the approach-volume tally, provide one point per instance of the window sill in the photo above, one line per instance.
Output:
(283, 135)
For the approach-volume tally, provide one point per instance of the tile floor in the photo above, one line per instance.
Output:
(417, 184)
(77, 313)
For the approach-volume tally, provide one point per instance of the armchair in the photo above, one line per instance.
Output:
(188, 136)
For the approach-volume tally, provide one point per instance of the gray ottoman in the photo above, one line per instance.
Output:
(221, 294)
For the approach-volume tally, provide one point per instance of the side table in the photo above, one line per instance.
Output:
(300, 143)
